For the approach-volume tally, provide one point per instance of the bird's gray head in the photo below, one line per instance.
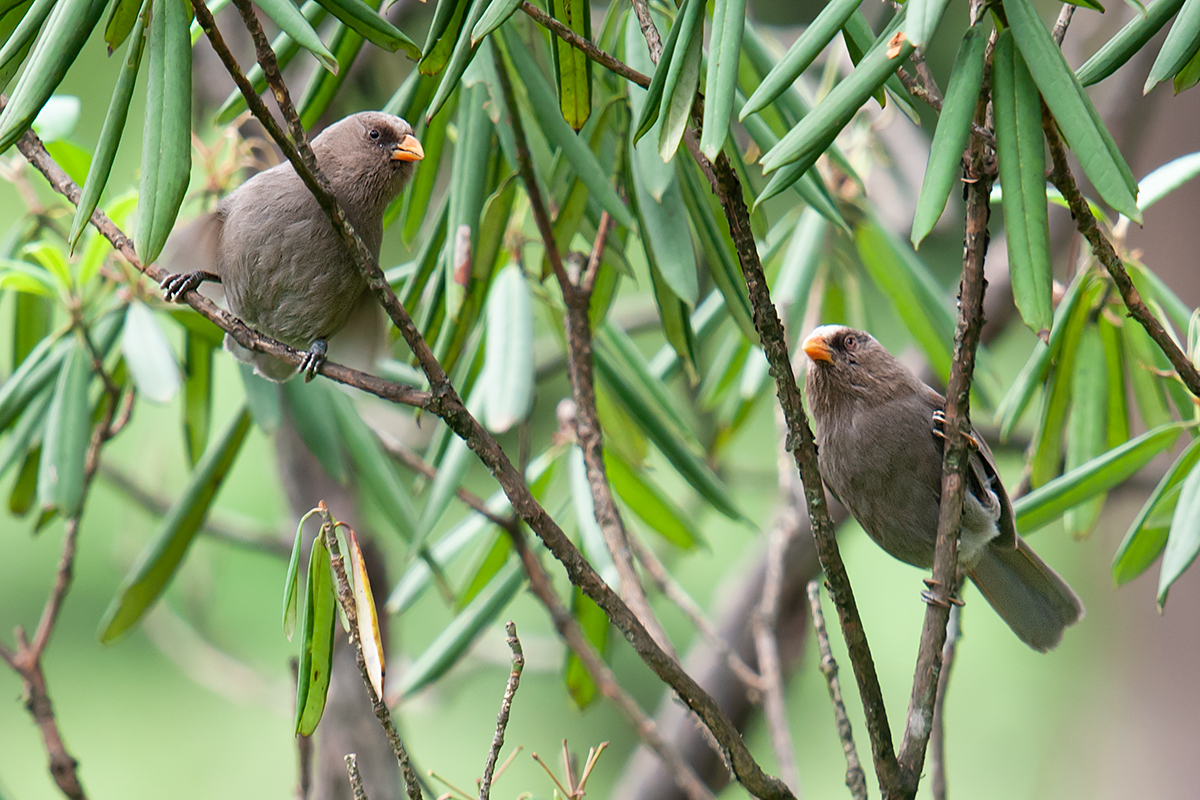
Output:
(847, 366)
(369, 157)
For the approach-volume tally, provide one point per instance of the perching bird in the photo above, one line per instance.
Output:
(879, 446)
(284, 269)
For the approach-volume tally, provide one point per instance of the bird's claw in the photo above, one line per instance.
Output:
(939, 419)
(176, 285)
(313, 360)
(930, 598)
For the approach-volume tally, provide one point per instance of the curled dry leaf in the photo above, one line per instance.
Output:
(895, 44)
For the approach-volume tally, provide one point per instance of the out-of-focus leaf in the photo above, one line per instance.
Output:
(372, 467)
(468, 182)
(1129, 40)
(293, 576)
(18, 25)
(658, 81)
(1116, 414)
(460, 57)
(1167, 178)
(197, 399)
(368, 620)
(664, 227)
(365, 21)
(724, 52)
(1148, 390)
(1181, 44)
(167, 135)
(924, 16)
(148, 355)
(164, 552)
(262, 396)
(323, 86)
(592, 541)
(67, 28)
(492, 562)
(1048, 502)
(1033, 375)
(953, 130)
(316, 647)
(24, 488)
(114, 120)
(647, 167)
(1021, 154)
(57, 119)
(1087, 427)
(298, 26)
(60, 482)
(121, 21)
(1143, 542)
(549, 119)
(1183, 541)
(313, 412)
(800, 55)
(594, 623)
(572, 67)
(508, 357)
(416, 200)
(1189, 75)
(456, 637)
(651, 506)
(28, 429)
(1082, 127)
(498, 12)
(444, 34)
(32, 322)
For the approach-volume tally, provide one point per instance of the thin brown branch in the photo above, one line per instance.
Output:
(979, 173)
(584, 46)
(510, 691)
(937, 739)
(1059, 32)
(671, 589)
(602, 675)
(356, 784)
(856, 781)
(345, 598)
(641, 9)
(469, 498)
(577, 295)
(1085, 223)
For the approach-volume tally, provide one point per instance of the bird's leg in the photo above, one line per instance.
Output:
(930, 597)
(939, 419)
(176, 285)
(313, 359)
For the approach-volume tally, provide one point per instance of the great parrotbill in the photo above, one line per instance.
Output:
(879, 446)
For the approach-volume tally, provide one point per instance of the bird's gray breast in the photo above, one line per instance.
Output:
(285, 270)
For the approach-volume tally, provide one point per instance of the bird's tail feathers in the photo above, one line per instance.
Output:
(1027, 594)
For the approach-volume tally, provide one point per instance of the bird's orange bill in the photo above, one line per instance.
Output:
(817, 349)
(409, 149)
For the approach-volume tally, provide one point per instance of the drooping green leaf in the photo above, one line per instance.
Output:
(345, 43)
(61, 480)
(953, 131)
(443, 36)
(366, 22)
(1181, 44)
(594, 623)
(1129, 40)
(290, 595)
(724, 53)
(572, 68)
(508, 357)
(163, 554)
(1047, 503)
(498, 12)
(19, 25)
(1183, 541)
(1087, 427)
(1021, 154)
(1143, 542)
(460, 57)
(316, 647)
(149, 356)
(649, 503)
(197, 399)
(27, 430)
(924, 16)
(313, 412)
(121, 20)
(299, 27)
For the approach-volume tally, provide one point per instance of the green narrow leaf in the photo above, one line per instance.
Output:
(571, 66)
(167, 136)
(114, 123)
(164, 552)
(67, 28)
(800, 55)
(299, 27)
(456, 637)
(651, 505)
(1087, 427)
(18, 26)
(372, 467)
(1143, 541)
(323, 86)
(494, 559)
(415, 201)
(498, 12)
(365, 21)
(658, 81)
(953, 131)
(316, 649)
(32, 323)
(197, 399)
(293, 577)
(1167, 178)
(594, 623)
(121, 20)
(1086, 134)
(60, 480)
(24, 488)
(924, 16)
(1129, 40)
(444, 34)
(312, 410)
(1140, 358)
(1022, 160)
(1189, 74)
(25, 433)
(1047, 503)
(468, 182)
(1116, 413)
(683, 78)
(1181, 44)
(262, 396)
(1183, 542)
(549, 119)
(148, 355)
(668, 240)
(724, 53)
(461, 56)
(508, 355)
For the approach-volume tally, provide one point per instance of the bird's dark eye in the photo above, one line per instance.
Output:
(849, 342)
(374, 134)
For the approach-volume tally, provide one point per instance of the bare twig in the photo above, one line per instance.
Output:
(856, 781)
(510, 690)
(584, 46)
(937, 739)
(356, 784)
(978, 176)
(577, 295)
(1060, 25)
(349, 608)
(606, 682)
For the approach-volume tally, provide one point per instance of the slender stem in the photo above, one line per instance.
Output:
(856, 781)
(356, 784)
(937, 739)
(766, 619)
(510, 691)
(979, 173)
(584, 46)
